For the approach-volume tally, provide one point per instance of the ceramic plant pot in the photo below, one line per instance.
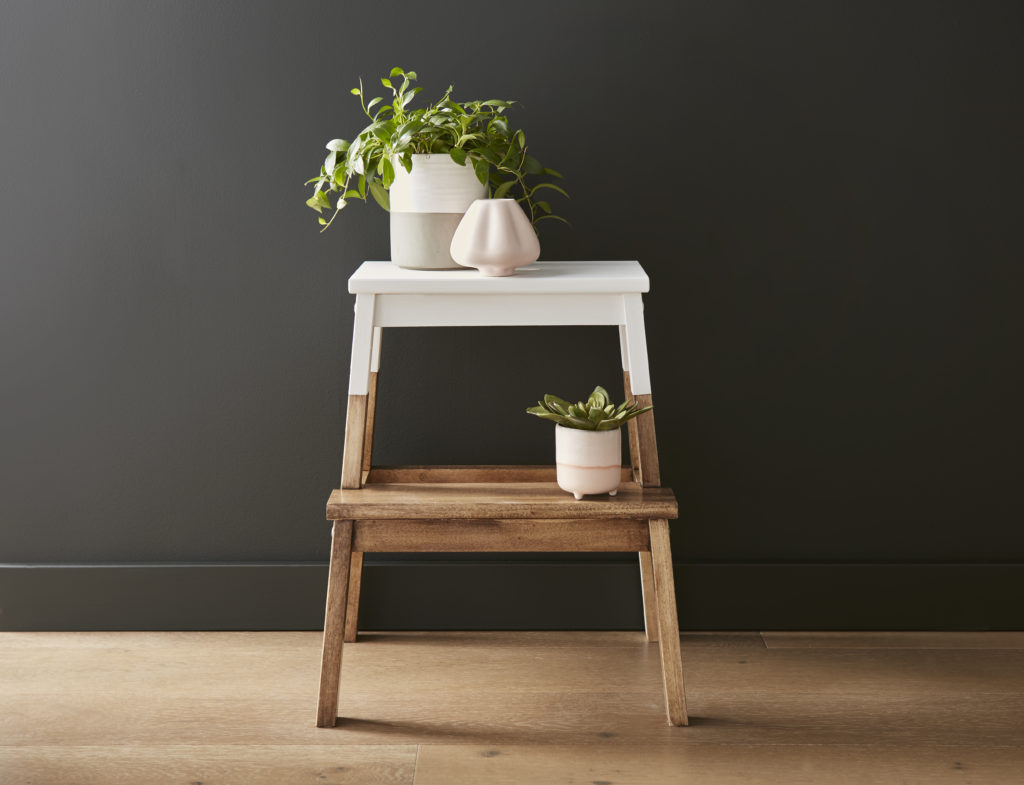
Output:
(589, 462)
(426, 207)
(495, 237)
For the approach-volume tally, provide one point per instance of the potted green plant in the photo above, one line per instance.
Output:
(588, 442)
(427, 165)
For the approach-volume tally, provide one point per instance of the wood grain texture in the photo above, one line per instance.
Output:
(504, 715)
(334, 624)
(147, 690)
(632, 433)
(715, 764)
(894, 640)
(647, 443)
(650, 595)
(481, 473)
(355, 585)
(668, 623)
(495, 501)
(371, 414)
(352, 456)
(416, 536)
(263, 763)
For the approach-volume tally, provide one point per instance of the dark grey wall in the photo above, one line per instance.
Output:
(827, 197)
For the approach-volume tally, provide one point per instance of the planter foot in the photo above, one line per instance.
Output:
(612, 493)
(578, 496)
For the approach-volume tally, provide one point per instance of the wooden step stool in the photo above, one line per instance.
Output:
(496, 508)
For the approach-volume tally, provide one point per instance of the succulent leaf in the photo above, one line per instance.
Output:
(597, 414)
(599, 398)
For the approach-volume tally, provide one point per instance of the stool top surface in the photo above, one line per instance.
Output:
(538, 278)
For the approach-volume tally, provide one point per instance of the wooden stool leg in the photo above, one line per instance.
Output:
(359, 380)
(650, 596)
(671, 657)
(334, 624)
(355, 578)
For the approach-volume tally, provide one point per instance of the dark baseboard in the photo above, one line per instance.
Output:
(522, 595)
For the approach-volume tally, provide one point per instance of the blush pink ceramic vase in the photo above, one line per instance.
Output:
(589, 462)
(496, 237)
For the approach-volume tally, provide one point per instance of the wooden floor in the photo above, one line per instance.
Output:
(511, 707)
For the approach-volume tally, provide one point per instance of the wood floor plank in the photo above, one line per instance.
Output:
(423, 664)
(894, 640)
(154, 689)
(283, 640)
(263, 764)
(515, 717)
(716, 764)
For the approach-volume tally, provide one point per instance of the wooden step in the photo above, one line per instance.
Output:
(495, 500)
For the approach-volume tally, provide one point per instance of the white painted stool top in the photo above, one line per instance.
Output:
(541, 294)
(537, 278)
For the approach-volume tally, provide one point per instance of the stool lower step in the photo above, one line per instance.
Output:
(495, 500)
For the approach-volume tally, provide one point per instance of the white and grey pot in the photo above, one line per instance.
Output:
(589, 462)
(426, 207)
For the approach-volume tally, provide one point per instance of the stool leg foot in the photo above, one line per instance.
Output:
(668, 622)
(334, 624)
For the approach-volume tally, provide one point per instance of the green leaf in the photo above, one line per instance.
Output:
(551, 173)
(409, 96)
(490, 154)
(380, 194)
(373, 103)
(481, 167)
(337, 145)
(396, 71)
(501, 190)
(387, 172)
(551, 399)
(322, 221)
(532, 166)
(598, 399)
(552, 186)
(322, 199)
(407, 162)
(312, 202)
(339, 172)
(411, 75)
(595, 415)
(361, 186)
(556, 217)
(386, 83)
(581, 422)
(521, 138)
(356, 91)
(607, 425)
(329, 161)
(543, 206)
(458, 155)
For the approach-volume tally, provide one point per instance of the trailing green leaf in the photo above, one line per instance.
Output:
(476, 131)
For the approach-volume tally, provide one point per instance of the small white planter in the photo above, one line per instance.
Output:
(589, 462)
(427, 205)
(496, 237)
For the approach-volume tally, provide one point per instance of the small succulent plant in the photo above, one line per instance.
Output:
(598, 413)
